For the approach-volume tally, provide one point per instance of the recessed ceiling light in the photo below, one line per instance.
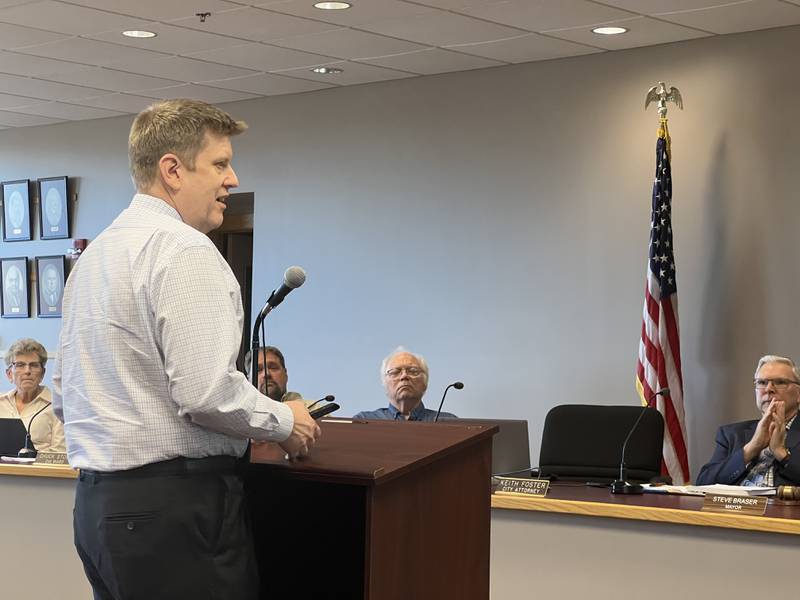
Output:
(332, 5)
(139, 34)
(327, 70)
(609, 30)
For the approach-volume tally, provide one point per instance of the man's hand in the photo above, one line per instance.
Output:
(762, 436)
(304, 434)
(777, 430)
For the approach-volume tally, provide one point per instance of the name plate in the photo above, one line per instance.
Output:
(743, 505)
(51, 458)
(530, 487)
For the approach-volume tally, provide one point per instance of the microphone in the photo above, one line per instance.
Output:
(620, 486)
(28, 451)
(293, 278)
(328, 398)
(456, 384)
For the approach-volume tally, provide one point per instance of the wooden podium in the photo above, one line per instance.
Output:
(380, 510)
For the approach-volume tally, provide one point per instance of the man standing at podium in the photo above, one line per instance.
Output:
(763, 452)
(155, 412)
(405, 379)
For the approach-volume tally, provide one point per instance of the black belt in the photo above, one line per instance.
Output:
(175, 466)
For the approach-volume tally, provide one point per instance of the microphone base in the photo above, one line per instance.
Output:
(623, 487)
(27, 453)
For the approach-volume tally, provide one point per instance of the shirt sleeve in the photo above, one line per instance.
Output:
(57, 400)
(57, 441)
(198, 327)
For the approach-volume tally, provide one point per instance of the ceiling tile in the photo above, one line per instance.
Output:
(91, 52)
(457, 4)
(652, 7)
(643, 31)
(170, 39)
(71, 112)
(541, 15)
(126, 103)
(733, 18)
(112, 80)
(67, 18)
(526, 48)
(14, 119)
(432, 61)
(16, 36)
(10, 101)
(255, 24)
(34, 66)
(44, 90)
(352, 73)
(266, 84)
(183, 69)
(263, 57)
(205, 93)
(163, 10)
(442, 29)
(348, 43)
(361, 12)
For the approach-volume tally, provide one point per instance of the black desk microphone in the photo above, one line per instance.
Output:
(620, 486)
(458, 385)
(29, 451)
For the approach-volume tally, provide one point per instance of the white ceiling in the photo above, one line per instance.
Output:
(63, 60)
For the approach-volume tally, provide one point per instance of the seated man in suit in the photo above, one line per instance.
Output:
(763, 452)
(405, 378)
(25, 362)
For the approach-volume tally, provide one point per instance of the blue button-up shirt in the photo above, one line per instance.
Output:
(390, 413)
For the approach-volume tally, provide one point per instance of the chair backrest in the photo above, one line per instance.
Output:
(12, 436)
(511, 451)
(584, 442)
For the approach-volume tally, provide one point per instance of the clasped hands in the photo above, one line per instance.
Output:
(770, 432)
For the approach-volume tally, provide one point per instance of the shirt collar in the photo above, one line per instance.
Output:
(153, 204)
(43, 396)
(416, 414)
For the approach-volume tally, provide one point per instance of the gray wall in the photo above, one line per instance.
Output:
(497, 222)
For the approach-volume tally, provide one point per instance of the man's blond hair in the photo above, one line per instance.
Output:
(174, 126)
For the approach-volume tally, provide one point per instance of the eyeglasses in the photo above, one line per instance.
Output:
(778, 384)
(20, 366)
(412, 372)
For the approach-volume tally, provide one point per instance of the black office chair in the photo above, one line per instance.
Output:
(582, 442)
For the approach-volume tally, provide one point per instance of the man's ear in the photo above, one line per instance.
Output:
(9, 375)
(169, 168)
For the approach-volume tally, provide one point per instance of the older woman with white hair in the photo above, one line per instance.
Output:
(25, 368)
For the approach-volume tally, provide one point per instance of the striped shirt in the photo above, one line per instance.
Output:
(146, 372)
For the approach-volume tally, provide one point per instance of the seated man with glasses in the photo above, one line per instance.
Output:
(763, 452)
(25, 362)
(405, 378)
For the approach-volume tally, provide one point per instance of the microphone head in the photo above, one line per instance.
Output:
(662, 392)
(294, 277)
(458, 385)
(329, 398)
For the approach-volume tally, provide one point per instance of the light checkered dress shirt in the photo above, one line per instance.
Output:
(146, 365)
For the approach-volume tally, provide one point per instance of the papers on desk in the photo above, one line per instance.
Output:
(717, 488)
(16, 459)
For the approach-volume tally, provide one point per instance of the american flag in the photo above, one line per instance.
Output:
(659, 364)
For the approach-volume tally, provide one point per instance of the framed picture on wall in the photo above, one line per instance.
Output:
(53, 208)
(14, 301)
(16, 211)
(51, 277)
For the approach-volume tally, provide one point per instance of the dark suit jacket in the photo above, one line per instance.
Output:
(727, 464)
